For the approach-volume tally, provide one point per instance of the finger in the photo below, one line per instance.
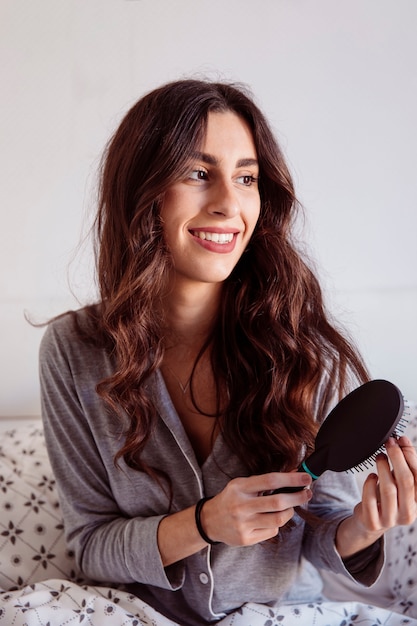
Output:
(403, 451)
(274, 481)
(244, 496)
(370, 505)
(397, 458)
(269, 525)
(404, 479)
(276, 519)
(409, 452)
(283, 501)
(406, 442)
(410, 455)
(388, 494)
(404, 462)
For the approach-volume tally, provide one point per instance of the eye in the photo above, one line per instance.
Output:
(247, 180)
(198, 174)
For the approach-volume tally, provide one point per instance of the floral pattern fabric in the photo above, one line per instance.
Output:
(63, 603)
(32, 544)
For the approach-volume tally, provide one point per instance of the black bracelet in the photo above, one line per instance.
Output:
(203, 535)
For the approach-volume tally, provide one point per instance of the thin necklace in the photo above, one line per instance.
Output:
(184, 388)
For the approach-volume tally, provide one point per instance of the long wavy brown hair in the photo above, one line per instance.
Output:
(272, 344)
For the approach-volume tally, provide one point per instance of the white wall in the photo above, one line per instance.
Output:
(338, 80)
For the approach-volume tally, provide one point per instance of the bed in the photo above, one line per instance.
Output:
(39, 584)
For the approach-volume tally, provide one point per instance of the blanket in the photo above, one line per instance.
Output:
(63, 603)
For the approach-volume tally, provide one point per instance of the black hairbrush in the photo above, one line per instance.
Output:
(355, 430)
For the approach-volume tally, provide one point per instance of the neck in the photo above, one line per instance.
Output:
(190, 311)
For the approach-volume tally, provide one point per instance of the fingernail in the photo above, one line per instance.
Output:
(306, 479)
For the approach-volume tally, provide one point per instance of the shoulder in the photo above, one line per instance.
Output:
(64, 328)
(72, 337)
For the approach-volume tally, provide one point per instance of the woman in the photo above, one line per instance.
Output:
(195, 387)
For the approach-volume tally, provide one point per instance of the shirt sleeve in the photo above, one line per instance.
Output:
(335, 496)
(107, 543)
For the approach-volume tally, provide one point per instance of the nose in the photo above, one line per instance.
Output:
(223, 200)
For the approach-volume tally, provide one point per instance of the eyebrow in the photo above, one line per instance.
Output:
(212, 160)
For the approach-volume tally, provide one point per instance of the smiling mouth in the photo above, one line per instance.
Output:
(221, 238)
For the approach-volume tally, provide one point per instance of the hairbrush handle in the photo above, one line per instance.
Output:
(284, 490)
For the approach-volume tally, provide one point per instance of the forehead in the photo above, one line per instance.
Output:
(229, 134)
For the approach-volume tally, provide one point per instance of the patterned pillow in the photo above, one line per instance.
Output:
(32, 545)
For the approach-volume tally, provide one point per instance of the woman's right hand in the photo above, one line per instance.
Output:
(241, 515)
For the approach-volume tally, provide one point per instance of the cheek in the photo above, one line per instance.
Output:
(170, 205)
(253, 217)
(175, 236)
(175, 214)
(173, 226)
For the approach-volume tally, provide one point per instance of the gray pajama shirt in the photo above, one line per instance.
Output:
(112, 514)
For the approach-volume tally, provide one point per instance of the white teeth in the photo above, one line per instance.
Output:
(215, 237)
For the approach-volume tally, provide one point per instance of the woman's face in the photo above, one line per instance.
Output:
(210, 215)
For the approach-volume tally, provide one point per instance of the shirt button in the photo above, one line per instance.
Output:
(204, 578)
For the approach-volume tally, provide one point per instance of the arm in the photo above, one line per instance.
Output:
(111, 515)
(351, 529)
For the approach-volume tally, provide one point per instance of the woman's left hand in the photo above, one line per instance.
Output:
(389, 498)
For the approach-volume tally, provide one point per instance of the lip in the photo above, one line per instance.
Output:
(213, 246)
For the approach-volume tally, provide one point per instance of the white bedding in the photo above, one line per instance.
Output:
(40, 587)
(59, 603)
